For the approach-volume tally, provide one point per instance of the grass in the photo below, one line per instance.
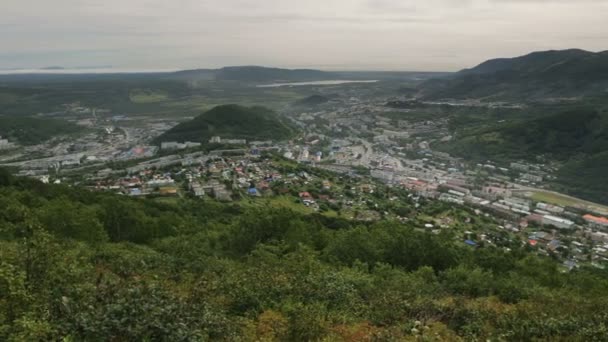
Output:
(8, 98)
(563, 200)
(173, 200)
(285, 202)
(147, 96)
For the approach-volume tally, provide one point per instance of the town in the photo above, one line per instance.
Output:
(355, 159)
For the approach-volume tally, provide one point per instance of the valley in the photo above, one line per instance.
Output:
(218, 171)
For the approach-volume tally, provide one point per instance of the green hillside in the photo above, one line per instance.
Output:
(546, 74)
(559, 136)
(83, 266)
(233, 122)
(586, 177)
(577, 137)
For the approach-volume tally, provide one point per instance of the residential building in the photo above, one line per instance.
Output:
(558, 222)
(596, 222)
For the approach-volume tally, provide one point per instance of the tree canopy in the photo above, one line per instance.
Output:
(77, 265)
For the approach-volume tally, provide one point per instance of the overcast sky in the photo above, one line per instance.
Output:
(328, 34)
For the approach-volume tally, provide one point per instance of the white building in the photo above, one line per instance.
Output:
(169, 145)
(557, 222)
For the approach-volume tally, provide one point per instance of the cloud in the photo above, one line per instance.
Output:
(378, 34)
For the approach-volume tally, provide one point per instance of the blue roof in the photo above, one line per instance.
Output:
(471, 243)
(253, 191)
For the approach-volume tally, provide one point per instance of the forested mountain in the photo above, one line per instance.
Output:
(559, 136)
(233, 122)
(82, 266)
(578, 138)
(546, 74)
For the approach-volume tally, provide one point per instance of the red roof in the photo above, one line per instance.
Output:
(305, 194)
(600, 220)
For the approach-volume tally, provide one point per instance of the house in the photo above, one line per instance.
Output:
(253, 192)
(532, 178)
(197, 189)
(470, 243)
(596, 222)
(223, 195)
(326, 185)
(366, 188)
(169, 145)
(544, 236)
(135, 192)
(264, 185)
(305, 194)
(558, 222)
(553, 245)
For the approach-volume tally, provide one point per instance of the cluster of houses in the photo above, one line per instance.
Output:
(538, 224)
(5, 144)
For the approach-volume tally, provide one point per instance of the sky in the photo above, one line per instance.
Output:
(423, 35)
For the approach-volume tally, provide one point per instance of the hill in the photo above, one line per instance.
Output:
(539, 75)
(559, 136)
(234, 122)
(578, 138)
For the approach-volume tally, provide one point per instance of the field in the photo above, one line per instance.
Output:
(134, 96)
(8, 98)
(285, 202)
(147, 96)
(564, 200)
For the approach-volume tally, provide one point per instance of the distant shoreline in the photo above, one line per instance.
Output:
(330, 82)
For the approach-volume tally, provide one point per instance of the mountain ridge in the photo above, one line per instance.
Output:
(541, 74)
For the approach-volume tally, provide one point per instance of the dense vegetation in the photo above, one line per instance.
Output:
(586, 177)
(543, 74)
(30, 131)
(76, 265)
(559, 136)
(234, 122)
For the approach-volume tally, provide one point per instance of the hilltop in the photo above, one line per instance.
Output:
(545, 74)
(231, 121)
